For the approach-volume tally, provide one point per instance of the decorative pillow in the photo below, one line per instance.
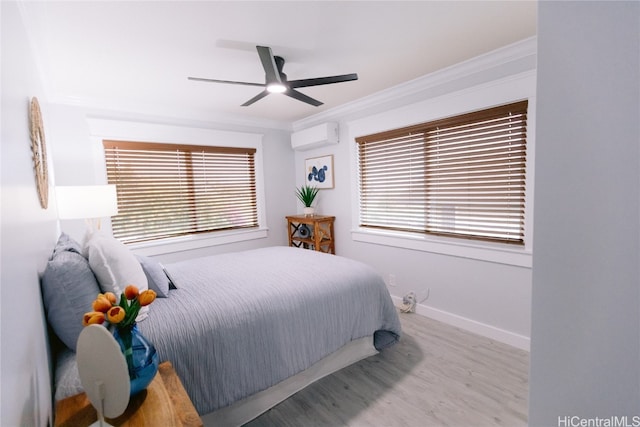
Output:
(157, 278)
(66, 243)
(172, 283)
(68, 290)
(115, 266)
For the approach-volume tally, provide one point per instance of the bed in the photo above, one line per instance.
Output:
(246, 330)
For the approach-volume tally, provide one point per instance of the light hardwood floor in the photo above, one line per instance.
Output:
(437, 375)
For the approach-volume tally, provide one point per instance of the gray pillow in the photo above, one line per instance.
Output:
(66, 243)
(69, 287)
(157, 278)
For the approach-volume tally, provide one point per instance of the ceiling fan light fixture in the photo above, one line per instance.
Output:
(276, 81)
(276, 88)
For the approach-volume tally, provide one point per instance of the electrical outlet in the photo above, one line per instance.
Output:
(392, 279)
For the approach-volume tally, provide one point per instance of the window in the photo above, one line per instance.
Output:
(168, 190)
(462, 176)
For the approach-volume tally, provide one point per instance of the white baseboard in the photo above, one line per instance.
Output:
(516, 340)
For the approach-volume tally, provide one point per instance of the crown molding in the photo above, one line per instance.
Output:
(186, 114)
(513, 59)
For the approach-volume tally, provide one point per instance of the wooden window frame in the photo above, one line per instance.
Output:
(172, 190)
(407, 185)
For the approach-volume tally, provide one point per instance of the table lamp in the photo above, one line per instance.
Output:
(88, 202)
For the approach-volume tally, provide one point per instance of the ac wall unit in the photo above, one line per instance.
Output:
(313, 137)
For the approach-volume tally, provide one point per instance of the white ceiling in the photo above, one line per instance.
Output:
(136, 56)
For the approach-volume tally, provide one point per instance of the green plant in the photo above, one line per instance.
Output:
(306, 194)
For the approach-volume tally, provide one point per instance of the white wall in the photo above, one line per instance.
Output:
(79, 160)
(486, 291)
(28, 235)
(585, 344)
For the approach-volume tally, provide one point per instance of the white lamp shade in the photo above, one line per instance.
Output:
(86, 201)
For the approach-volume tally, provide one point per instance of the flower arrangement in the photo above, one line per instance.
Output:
(122, 315)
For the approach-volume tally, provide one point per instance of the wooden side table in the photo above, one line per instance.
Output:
(312, 232)
(164, 403)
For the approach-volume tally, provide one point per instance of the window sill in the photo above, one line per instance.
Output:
(496, 253)
(198, 241)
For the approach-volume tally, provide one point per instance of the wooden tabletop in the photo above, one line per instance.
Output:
(310, 218)
(164, 403)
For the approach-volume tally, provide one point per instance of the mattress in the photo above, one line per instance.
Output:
(240, 323)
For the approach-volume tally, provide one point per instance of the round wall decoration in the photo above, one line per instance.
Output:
(38, 146)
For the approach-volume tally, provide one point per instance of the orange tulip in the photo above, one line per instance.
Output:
(115, 314)
(101, 304)
(131, 292)
(147, 297)
(93, 318)
(111, 297)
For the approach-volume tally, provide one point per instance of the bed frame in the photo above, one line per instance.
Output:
(253, 406)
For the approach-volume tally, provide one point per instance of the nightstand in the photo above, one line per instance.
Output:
(164, 403)
(313, 232)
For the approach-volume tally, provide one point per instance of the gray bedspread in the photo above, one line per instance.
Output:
(241, 322)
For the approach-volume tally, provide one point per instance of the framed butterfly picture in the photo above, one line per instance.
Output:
(319, 171)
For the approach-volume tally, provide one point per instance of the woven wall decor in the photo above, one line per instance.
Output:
(38, 146)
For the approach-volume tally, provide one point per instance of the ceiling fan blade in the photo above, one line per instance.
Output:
(302, 97)
(269, 64)
(256, 98)
(200, 79)
(323, 80)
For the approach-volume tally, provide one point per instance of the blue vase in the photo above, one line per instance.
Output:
(141, 357)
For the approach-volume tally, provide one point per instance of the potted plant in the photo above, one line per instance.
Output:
(307, 194)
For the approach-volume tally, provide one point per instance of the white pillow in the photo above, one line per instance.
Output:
(115, 266)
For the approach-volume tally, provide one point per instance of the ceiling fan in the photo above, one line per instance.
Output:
(276, 81)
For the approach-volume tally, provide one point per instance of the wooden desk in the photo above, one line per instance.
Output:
(164, 403)
(319, 229)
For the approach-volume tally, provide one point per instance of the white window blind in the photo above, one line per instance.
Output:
(462, 176)
(168, 190)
